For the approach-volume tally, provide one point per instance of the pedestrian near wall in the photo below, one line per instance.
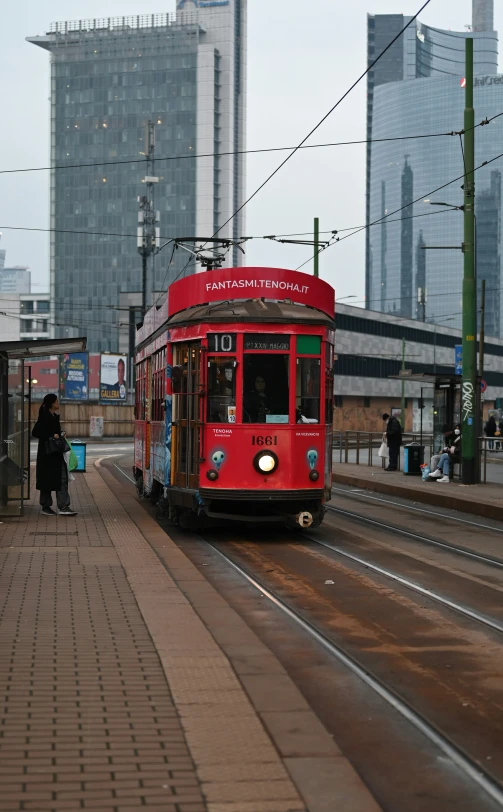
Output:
(393, 440)
(490, 430)
(52, 472)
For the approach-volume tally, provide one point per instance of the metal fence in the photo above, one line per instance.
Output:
(361, 447)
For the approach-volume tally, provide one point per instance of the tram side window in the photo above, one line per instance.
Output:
(265, 390)
(329, 385)
(158, 385)
(222, 390)
(140, 391)
(308, 390)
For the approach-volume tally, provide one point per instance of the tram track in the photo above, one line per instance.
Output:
(400, 682)
(464, 611)
(453, 548)
(458, 755)
(357, 494)
(428, 593)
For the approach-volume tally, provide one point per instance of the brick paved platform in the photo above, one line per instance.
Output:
(481, 500)
(115, 696)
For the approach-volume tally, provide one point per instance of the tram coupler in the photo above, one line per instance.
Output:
(304, 519)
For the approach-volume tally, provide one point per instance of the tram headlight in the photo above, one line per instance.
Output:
(212, 475)
(265, 462)
(314, 476)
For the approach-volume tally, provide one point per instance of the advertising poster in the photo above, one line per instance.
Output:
(73, 376)
(113, 381)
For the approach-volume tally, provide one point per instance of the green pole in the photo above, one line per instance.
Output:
(316, 244)
(402, 410)
(468, 395)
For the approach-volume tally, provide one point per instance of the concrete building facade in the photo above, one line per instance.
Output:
(369, 352)
(417, 88)
(185, 72)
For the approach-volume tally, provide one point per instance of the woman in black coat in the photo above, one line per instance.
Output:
(52, 473)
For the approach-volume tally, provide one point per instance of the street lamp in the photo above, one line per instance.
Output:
(449, 205)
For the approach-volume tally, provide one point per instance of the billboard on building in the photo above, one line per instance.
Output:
(113, 378)
(74, 376)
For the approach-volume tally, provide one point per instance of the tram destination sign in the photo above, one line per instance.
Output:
(266, 341)
(228, 284)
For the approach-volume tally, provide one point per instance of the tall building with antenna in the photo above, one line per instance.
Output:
(185, 72)
(417, 88)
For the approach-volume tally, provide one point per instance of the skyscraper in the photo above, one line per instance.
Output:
(187, 74)
(417, 88)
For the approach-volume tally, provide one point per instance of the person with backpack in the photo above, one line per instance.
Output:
(393, 440)
(52, 471)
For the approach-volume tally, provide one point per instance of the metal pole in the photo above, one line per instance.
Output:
(4, 429)
(469, 428)
(482, 326)
(316, 245)
(402, 405)
(435, 349)
(144, 284)
(421, 416)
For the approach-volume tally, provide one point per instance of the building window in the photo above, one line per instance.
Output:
(26, 307)
(366, 403)
(42, 307)
(337, 401)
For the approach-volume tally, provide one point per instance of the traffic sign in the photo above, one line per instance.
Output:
(458, 359)
(483, 386)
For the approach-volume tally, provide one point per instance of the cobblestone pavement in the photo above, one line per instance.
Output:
(95, 641)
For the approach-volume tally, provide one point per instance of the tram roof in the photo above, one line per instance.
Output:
(277, 285)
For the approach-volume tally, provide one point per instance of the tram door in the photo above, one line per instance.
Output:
(187, 413)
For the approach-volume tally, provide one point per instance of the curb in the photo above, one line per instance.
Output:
(433, 497)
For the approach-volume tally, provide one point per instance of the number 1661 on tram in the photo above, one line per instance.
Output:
(234, 396)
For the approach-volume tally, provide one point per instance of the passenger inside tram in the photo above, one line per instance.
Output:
(266, 389)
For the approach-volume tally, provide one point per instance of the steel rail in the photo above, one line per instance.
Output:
(460, 759)
(463, 551)
(364, 495)
(462, 610)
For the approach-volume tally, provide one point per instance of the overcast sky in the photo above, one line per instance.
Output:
(302, 56)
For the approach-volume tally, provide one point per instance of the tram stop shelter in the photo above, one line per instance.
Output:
(446, 401)
(15, 403)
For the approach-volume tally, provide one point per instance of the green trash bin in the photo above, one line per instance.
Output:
(80, 450)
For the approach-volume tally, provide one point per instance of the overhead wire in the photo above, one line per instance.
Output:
(192, 155)
(111, 234)
(322, 120)
(406, 206)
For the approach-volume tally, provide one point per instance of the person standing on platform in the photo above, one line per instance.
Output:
(393, 440)
(52, 473)
(490, 430)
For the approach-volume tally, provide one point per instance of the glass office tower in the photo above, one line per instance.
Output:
(109, 77)
(419, 89)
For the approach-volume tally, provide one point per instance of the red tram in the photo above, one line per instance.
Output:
(234, 396)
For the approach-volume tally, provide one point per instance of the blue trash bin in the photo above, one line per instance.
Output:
(80, 450)
(413, 458)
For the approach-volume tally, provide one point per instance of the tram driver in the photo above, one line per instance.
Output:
(257, 402)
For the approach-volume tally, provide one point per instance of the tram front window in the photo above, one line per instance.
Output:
(222, 390)
(265, 388)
